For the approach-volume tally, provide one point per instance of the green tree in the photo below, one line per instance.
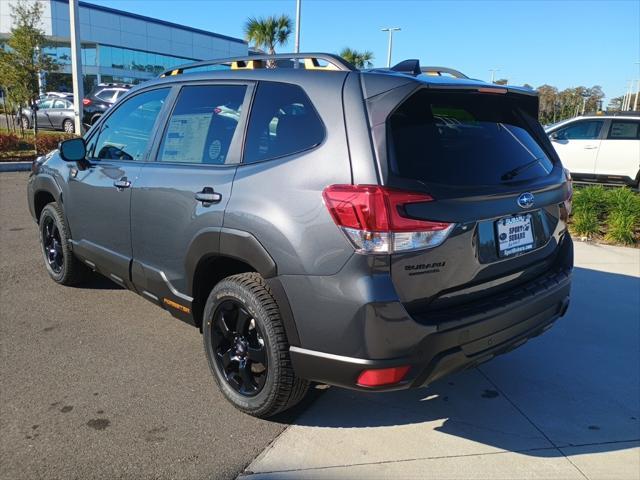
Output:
(23, 60)
(356, 58)
(267, 33)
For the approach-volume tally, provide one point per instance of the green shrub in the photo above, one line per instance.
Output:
(621, 227)
(612, 211)
(585, 222)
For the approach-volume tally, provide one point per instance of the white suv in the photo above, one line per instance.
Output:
(602, 148)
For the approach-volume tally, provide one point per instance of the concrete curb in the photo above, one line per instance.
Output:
(15, 166)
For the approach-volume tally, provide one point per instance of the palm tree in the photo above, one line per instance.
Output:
(267, 33)
(358, 59)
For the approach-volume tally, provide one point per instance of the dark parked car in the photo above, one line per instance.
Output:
(52, 112)
(100, 99)
(374, 230)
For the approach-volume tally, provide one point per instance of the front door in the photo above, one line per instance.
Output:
(99, 197)
(577, 145)
(179, 201)
(42, 114)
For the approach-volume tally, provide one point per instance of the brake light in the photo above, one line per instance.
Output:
(86, 102)
(382, 376)
(373, 219)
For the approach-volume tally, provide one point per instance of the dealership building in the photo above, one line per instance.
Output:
(118, 46)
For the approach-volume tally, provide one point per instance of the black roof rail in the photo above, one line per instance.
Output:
(308, 61)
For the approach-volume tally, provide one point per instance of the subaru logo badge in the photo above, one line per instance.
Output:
(525, 200)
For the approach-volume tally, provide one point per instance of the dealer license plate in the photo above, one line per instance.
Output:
(515, 235)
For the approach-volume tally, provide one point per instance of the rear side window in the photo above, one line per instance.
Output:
(283, 121)
(202, 124)
(464, 139)
(106, 95)
(583, 130)
(624, 130)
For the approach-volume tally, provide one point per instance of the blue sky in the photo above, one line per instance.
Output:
(562, 43)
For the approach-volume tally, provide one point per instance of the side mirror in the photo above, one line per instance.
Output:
(554, 136)
(73, 149)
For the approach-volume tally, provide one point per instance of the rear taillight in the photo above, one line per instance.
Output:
(86, 102)
(373, 219)
(567, 203)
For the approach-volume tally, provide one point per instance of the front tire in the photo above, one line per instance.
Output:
(247, 348)
(62, 266)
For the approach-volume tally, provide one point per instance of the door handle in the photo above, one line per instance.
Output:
(122, 183)
(590, 147)
(207, 196)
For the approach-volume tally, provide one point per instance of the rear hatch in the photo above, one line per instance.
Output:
(482, 156)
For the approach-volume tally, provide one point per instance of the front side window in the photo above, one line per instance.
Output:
(624, 130)
(60, 104)
(283, 121)
(203, 124)
(125, 134)
(583, 130)
(45, 104)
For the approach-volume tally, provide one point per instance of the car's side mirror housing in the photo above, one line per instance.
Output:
(73, 149)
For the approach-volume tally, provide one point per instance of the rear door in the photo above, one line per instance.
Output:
(181, 196)
(577, 145)
(619, 153)
(493, 176)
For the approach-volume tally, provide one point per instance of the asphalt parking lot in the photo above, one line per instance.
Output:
(98, 383)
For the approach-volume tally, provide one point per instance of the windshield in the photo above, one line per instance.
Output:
(463, 138)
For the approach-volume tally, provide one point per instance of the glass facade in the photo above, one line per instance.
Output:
(117, 57)
(62, 53)
(136, 60)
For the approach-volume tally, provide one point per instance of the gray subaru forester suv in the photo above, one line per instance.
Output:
(370, 229)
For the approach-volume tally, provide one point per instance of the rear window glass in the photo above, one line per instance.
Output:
(283, 121)
(463, 139)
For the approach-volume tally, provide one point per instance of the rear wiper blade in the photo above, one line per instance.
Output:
(511, 174)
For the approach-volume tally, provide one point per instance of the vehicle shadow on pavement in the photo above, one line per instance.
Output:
(96, 281)
(576, 385)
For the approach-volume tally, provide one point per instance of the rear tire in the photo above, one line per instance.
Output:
(63, 267)
(241, 324)
(68, 126)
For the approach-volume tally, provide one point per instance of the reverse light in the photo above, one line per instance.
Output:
(373, 219)
(382, 376)
(86, 102)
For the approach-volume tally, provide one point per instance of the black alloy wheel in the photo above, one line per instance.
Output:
(239, 348)
(52, 245)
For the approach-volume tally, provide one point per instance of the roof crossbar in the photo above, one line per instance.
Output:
(303, 60)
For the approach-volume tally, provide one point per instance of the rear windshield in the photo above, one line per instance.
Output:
(463, 139)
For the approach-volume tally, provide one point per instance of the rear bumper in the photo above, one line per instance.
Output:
(447, 352)
(440, 350)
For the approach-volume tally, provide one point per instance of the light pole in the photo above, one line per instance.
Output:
(76, 65)
(390, 30)
(493, 74)
(298, 8)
